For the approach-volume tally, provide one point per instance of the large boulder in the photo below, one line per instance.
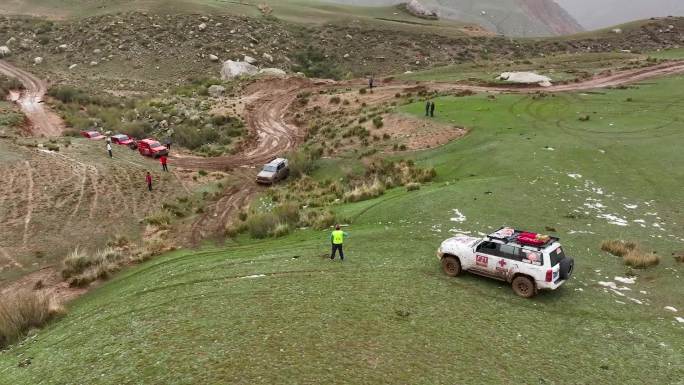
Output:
(416, 8)
(232, 69)
(4, 51)
(525, 78)
(216, 90)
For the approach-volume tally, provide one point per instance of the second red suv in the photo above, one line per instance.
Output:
(151, 147)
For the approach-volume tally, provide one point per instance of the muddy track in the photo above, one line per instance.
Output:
(43, 121)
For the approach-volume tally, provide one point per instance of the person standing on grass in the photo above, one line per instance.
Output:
(337, 239)
(432, 110)
(109, 149)
(427, 108)
(148, 179)
(370, 83)
(163, 160)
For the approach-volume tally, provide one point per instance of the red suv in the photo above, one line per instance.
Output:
(123, 140)
(91, 134)
(150, 147)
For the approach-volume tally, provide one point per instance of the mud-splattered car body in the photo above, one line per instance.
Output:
(529, 261)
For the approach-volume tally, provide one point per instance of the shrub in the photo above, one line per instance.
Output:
(23, 311)
(584, 118)
(378, 122)
(639, 259)
(261, 225)
(413, 186)
(365, 191)
(75, 263)
(335, 100)
(160, 218)
(281, 229)
(618, 248)
(363, 91)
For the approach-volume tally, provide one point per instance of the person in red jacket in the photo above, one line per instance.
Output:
(163, 160)
(148, 179)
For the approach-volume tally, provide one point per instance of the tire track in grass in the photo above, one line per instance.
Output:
(29, 206)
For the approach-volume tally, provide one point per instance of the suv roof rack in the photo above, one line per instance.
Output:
(510, 235)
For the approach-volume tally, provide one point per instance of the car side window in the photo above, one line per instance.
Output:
(511, 252)
(280, 166)
(488, 248)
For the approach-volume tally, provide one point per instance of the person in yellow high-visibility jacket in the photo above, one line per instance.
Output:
(337, 239)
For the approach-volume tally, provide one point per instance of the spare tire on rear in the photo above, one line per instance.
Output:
(567, 265)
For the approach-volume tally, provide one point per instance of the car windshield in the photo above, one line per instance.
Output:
(557, 256)
(155, 144)
(270, 168)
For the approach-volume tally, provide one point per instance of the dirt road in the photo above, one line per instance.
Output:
(43, 121)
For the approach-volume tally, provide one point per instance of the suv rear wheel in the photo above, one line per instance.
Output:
(451, 266)
(523, 286)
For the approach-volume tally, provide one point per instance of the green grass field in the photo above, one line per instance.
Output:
(279, 312)
(558, 67)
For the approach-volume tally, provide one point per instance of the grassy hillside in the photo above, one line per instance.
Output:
(298, 11)
(278, 311)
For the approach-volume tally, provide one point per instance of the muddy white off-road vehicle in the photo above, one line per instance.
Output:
(274, 171)
(529, 261)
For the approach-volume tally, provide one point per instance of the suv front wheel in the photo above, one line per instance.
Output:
(523, 286)
(451, 266)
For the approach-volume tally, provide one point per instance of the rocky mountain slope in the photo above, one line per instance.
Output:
(506, 17)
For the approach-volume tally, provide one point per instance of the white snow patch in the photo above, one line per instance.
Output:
(526, 78)
(631, 207)
(635, 301)
(575, 176)
(629, 281)
(460, 218)
(679, 319)
(614, 219)
(671, 308)
(253, 276)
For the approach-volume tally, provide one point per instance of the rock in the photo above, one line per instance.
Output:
(346, 55)
(202, 26)
(93, 63)
(250, 60)
(10, 41)
(97, 51)
(276, 72)
(350, 37)
(4, 51)
(63, 47)
(416, 8)
(617, 30)
(232, 69)
(525, 78)
(216, 90)
(213, 58)
(37, 60)
(268, 57)
(73, 66)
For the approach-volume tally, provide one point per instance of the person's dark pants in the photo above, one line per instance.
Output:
(164, 167)
(149, 186)
(432, 113)
(335, 248)
(110, 153)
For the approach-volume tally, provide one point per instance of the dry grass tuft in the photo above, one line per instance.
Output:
(639, 259)
(631, 253)
(618, 248)
(25, 310)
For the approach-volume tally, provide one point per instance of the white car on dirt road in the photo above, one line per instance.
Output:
(528, 261)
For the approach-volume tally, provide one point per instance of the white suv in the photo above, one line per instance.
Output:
(529, 261)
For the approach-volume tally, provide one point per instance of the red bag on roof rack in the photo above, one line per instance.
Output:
(533, 239)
